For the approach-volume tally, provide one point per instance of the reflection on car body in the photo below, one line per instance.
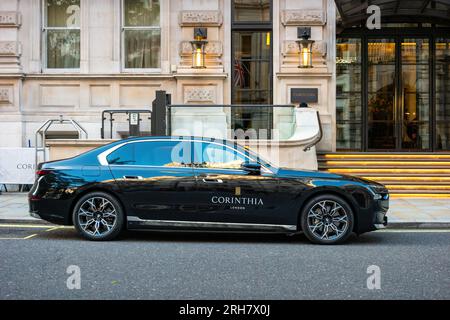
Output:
(186, 183)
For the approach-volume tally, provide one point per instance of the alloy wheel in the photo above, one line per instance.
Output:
(327, 220)
(97, 216)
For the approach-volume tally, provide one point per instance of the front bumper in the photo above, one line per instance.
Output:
(374, 216)
(381, 220)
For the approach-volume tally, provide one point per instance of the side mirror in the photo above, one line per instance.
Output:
(253, 168)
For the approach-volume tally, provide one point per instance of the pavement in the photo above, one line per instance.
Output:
(403, 212)
(46, 262)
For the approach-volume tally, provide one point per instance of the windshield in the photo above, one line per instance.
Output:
(253, 155)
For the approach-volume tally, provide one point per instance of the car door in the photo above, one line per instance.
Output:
(156, 178)
(227, 193)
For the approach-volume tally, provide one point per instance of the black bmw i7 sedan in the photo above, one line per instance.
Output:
(187, 183)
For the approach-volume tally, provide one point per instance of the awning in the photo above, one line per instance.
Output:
(353, 12)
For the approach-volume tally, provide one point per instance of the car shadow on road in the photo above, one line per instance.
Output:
(210, 237)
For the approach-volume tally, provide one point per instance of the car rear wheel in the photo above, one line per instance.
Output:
(327, 219)
(98, 216)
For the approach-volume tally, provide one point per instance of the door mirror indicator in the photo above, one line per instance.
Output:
(251, 167)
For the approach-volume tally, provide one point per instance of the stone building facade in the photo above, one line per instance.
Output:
(78, 57)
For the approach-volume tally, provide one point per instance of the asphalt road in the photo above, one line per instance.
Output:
(150, 265)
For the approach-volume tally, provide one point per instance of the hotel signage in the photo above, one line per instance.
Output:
(17, 165)
(307, 95)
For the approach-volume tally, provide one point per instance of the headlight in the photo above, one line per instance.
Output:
(378, 189)
(379, 192)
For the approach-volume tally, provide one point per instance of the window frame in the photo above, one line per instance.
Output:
(102, 157)
(255, 26)
(123, 145)
(45, 29)
(123, 28)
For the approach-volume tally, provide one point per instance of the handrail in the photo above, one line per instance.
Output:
(41, 133)
(231, 105)
(317, 140)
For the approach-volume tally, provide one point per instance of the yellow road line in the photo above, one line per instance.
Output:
(414, 230)
(54, 228)
(32, 226)
(30, 236)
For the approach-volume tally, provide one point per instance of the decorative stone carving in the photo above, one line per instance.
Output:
(9, 48)
(10, 18)
(5, 95)
(200, 18)
(303, 18)
(290, 47)
(199, 94)
(213, 48)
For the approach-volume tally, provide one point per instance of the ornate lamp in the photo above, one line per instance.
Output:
(305, 46)
(198, 48)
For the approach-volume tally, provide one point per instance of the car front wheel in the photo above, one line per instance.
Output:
(98, 216)
(327, 219)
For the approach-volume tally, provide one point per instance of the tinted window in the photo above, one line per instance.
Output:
(124, 155)
(211, 155)
(154, 153)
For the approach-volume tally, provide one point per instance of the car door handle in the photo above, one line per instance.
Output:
(133, 177)
(210, 180)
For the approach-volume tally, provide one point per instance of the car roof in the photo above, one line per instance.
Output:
(181, 138)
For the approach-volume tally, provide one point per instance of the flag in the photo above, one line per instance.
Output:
(239, 73)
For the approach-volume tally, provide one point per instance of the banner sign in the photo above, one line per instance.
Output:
(17, 165)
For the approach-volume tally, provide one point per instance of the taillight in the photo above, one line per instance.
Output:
(42, 172)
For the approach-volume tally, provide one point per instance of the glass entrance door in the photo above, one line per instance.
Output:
(381, 85)
(414, 94)
(398, 91)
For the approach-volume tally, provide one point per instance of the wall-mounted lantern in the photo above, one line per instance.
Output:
(198, 48)
(305, 46)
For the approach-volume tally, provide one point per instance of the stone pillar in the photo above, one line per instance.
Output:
(199, 86)
(10, 75)
(320, 17)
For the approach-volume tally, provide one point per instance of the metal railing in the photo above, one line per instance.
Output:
(40, 136)
(128, 113)
(232, 107)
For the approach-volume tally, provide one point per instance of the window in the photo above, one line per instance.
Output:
(141, 34)
(154, 153)
(211, 155)
(252, 11)
(252, 67)
(62, 34)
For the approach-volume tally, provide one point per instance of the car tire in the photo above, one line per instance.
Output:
(98, 216)
(327, 219)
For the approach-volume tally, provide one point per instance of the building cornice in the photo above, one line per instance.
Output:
(319, 74)
(79, 76)
(201, 76)
(121, 76)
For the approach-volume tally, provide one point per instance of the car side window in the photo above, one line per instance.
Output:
(122, 156)
(152, 153)
(212, 155)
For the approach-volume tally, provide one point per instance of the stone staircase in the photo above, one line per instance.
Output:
(405, 174)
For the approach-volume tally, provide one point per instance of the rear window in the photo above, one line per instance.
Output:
(152, 153)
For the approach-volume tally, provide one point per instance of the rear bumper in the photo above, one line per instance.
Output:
(52, 211)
